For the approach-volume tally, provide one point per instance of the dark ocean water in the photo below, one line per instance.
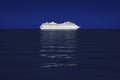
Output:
(60, 55)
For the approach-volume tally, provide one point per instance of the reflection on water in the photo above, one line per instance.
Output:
(57, 65)
(59, 45)
(60, 50)
(64, 56)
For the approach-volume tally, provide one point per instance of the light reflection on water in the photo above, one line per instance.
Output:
(59, 45)
(64, 56)
(57, 65)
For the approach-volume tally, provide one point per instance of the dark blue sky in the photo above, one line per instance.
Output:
(86, 13)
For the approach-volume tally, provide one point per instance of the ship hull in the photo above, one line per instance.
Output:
(58, 28)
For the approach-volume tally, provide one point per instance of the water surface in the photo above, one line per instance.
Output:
(60, 55)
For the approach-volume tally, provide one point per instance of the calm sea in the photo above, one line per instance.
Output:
(60, 55)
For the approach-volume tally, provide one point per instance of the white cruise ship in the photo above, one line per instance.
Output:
(61, 26)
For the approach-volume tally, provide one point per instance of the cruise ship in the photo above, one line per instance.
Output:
(59, 26)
